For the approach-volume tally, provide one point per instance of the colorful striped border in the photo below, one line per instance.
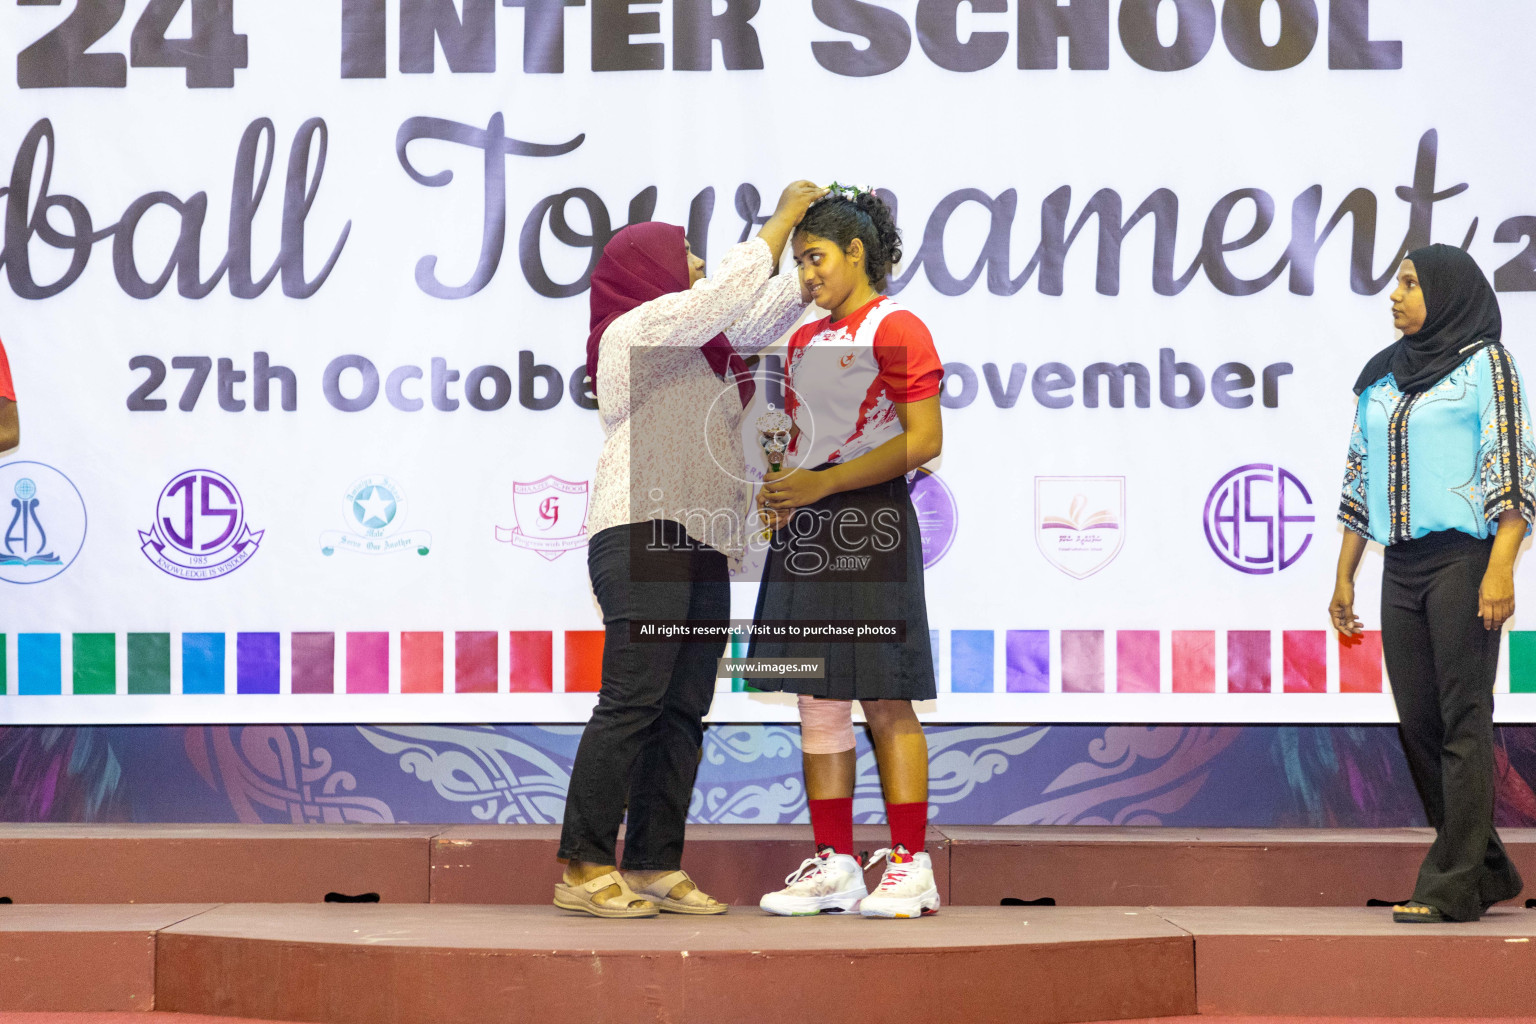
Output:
(976, 661)
(1038, 661)
(369, 662)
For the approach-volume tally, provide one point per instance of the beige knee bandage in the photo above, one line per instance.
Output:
(826, 726)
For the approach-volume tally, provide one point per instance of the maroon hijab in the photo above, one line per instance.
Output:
(644, 262)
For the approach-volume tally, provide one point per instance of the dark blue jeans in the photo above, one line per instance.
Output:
(642, 742)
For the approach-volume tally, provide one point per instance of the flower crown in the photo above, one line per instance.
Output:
(847, 191)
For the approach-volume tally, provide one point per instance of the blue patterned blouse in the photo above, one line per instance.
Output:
(1454, 457)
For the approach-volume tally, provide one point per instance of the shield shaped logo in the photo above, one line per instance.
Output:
(551, 516)
(1080, 521)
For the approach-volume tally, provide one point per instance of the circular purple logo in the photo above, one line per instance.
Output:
(937, 516)
(200, 532)
(1254, 520)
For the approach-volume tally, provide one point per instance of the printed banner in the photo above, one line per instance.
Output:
(294, 297)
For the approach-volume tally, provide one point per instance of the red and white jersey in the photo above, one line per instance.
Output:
(846, 379)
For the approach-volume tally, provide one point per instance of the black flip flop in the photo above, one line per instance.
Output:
(1414, 912)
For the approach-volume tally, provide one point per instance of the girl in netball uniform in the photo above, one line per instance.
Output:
(863, 395)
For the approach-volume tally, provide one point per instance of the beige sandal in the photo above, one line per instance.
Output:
(583, 898)
(693, 902)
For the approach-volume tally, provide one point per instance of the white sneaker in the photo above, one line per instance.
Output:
(828, 882)
(906, 890)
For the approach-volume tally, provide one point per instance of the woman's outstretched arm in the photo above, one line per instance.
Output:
(688, 319)
(796, 198)
(778, 306)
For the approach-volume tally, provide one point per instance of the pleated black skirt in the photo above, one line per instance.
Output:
(855, 558)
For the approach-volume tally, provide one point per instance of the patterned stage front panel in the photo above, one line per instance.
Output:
(1210, 776)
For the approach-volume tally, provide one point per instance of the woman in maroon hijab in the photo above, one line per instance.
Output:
(669, 517)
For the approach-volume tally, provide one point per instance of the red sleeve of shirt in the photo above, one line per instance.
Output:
(7, 388)
(909, 364)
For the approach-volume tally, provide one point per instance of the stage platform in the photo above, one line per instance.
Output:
(410, 963)
(406, 964)
(514, 864)
(232, 920)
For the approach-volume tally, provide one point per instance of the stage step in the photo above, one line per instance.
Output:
(404, 965)
(45, 863)
(79, 957)
(1116, 866)
(1337, 961)
(515, 864)
(417, 963)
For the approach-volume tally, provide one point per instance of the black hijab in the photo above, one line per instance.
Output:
(1463, 315)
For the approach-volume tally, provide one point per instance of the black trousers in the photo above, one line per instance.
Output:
(642, 742)
(1442, 664)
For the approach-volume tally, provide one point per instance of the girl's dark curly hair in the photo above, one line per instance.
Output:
(841, 219)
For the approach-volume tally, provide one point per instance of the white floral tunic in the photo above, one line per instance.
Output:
(673, 448)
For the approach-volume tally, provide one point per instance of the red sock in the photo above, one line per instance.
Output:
(832, 822)
(909, 824)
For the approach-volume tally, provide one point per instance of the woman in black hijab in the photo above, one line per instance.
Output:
(1442, 471)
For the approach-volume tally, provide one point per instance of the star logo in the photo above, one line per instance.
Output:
(376, 518)
(374, 507)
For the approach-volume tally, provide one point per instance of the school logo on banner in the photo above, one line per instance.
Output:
(374, 511)
(199, 532)
(937, 515)
(45, 522)
(551, 517)
(1080, 521)
(1258, 519)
